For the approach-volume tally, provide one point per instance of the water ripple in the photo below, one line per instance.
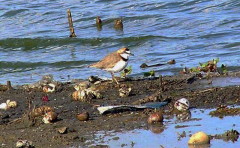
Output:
(34, 34)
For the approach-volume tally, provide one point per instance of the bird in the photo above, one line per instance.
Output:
(118, 24)
(114, 62)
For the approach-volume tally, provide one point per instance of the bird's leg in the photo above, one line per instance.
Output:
(113, 78)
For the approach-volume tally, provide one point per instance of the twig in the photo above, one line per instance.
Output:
(72, 33)
(161, 83)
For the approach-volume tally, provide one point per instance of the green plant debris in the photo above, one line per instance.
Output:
(149, 74)
(209, 66)
(126, 71)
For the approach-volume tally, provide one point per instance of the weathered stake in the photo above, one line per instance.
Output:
(9, 86)
(70, 22)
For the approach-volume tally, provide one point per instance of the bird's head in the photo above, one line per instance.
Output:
(124, 52)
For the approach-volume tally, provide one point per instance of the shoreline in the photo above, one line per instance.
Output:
(14, 123)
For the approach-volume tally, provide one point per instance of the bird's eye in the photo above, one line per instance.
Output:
(127, 49)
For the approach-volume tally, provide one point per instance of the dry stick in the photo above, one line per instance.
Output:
(72, 33)
(161, 83)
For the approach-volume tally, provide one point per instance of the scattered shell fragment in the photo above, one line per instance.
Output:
(125, 91)
(41, 111)
(82, 85)
(62, 130)
(49, 88)
(8, 104)
(199, 138)
(155, 117)
(49, 117)
(182, 104)
(24, 144)
(83, 116)
(11, 104)
(86, 95)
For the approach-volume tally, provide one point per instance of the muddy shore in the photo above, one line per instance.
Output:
(15, 125)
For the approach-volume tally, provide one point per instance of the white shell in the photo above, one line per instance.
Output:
(3, 106)
(24, 143)
(182, 104)
(53, 87)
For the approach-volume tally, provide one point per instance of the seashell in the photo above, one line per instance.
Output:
(199, 138)
(155, 117)
(41, 111)
(86, 95)
(49, 117)
(24, 144)
(4, 106)
(83, 116)
(182, 104)
(49, 88)
(125, 91)
(11, 104)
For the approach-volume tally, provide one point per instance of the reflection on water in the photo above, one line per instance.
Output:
(174, 132)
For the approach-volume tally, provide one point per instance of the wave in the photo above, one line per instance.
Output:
(41, 43)
(26, 65)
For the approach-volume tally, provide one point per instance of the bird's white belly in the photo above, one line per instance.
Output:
(118, 67)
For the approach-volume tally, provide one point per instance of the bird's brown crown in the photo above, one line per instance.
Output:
(122, 50)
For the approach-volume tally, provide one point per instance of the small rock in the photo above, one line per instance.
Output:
(83, 116)
(94, 79)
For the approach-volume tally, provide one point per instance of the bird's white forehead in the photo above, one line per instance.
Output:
(128, 51)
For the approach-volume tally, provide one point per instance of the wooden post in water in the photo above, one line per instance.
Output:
(9, 86)
(70, 22)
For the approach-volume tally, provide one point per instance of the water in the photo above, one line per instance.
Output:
(219, 82)
(34, 36)
(168, 135)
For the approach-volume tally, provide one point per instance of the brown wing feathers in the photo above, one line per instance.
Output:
(107, 62)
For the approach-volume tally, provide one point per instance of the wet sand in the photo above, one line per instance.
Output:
(15, 125)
